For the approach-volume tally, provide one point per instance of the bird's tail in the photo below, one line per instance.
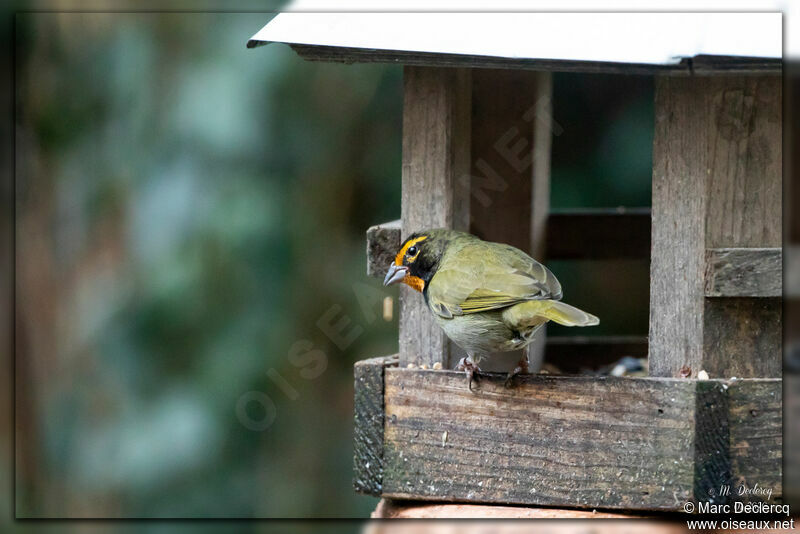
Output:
(535, 312)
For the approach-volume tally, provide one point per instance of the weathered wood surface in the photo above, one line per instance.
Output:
(742, 338)
(383, 241)
(436, 155)
(698, 64)
(614, 443)
(368, 431)
(569, 234)
(576, 441)
(743, 272)
(599, 234)
(716, 184)
(756, 436)
(510, 173)
(712, 459)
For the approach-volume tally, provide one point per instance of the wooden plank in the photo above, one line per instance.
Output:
(756, 437)
(750, 328)
(510, 174)
(368, 438)
(704, 64)
(712, 460)
(383, 241)
(436, 144)
(599, 234)
(570, 234)
(791, 385)
(615, 443)
(743, 272)
(716, 184)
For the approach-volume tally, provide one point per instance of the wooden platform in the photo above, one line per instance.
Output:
(597, 443)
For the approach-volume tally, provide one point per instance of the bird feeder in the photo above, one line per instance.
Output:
(477, 131)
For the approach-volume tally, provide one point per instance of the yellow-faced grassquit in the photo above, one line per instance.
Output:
(487, 297)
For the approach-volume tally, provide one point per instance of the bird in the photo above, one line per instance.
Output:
(487, 297)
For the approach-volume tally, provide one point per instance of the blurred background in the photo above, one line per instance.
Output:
(187, 210)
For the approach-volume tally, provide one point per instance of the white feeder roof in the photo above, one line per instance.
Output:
(559, 41)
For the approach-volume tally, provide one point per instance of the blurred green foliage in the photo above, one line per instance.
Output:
(187, 211)
(204, 205)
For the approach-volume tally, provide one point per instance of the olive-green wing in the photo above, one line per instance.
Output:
(479, 276)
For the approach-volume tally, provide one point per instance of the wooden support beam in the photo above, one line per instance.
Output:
(743, 272)
(716, 184)
(586, 442)
(436, 157)
(368, 413)
(703, 64)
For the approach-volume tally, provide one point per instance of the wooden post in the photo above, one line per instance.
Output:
(436, 144)
(716, 184)
(510, 182)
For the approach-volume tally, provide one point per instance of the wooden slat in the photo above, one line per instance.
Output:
(743, 272)
(436, 146)
(556, 441)
(756, 436)
(742, 337)
(368, 432)
(716, 184)
(700, 64)
(615, 443)
(599, 234)
(570, 234)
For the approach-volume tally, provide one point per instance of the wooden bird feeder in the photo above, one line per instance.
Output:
(477, 132)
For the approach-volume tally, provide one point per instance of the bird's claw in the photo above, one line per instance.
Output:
(522, 367)
(471, 369)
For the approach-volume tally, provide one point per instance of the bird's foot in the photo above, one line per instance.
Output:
(521, 368)
(470, 368)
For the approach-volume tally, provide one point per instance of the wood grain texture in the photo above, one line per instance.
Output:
(743, 161)
(435, 187)
(756, 436)
(716, 184)
(742, 338)
(383, 242)
(699, 64)
(712, 459)
(576, 441)
(368, 413)
(744, 272)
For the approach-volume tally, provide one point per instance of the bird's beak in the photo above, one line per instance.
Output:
(396, 274)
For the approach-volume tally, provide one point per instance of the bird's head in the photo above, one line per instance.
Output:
(418, 258)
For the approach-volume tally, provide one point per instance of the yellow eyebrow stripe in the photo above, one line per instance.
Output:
(398, 260)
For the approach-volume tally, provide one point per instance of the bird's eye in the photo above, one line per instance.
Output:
(412, 251)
